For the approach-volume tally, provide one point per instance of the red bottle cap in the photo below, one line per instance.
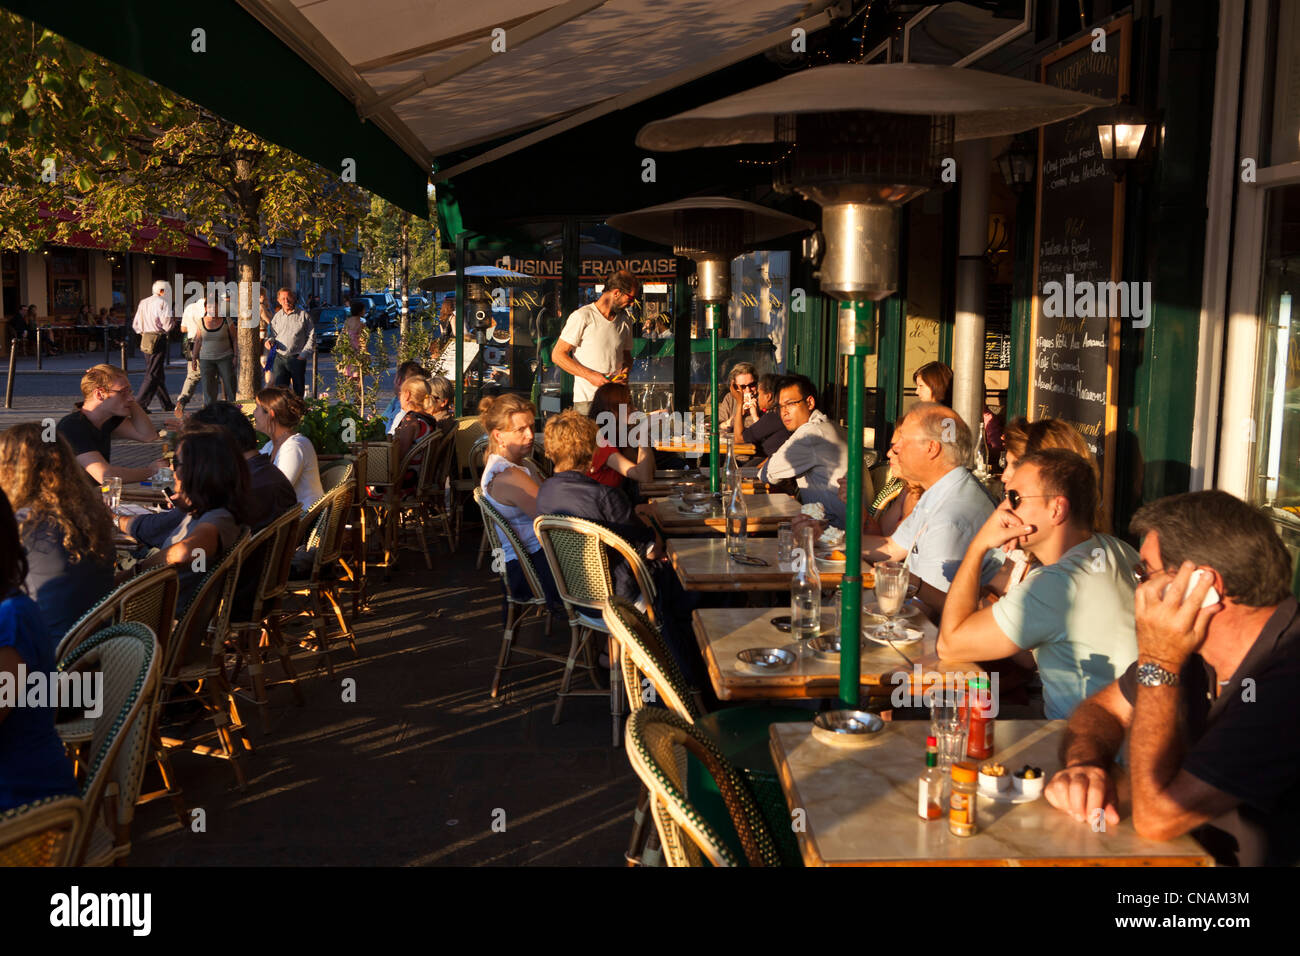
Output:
(931, 741)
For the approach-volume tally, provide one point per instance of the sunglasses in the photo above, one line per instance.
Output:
(797, 401)
(752, 386)
(1142, 572)
(1013, 497)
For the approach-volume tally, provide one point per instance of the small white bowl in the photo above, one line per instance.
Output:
(1030, 788)
(994, 784)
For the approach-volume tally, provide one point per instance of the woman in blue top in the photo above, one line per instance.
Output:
(32, 762)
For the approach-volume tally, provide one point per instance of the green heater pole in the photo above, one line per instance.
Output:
(461, 291)
(857, 340)
(711, 311)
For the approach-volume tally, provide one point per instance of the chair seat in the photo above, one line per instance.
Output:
(595, 623)
(100, 850)
(79, 730)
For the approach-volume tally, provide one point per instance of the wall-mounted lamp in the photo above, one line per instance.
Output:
(1121, 130)
(1016, 164)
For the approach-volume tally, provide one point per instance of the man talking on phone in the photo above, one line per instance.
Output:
(1209, 707)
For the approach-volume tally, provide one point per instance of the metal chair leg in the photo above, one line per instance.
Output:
(574, 643)
(506, 640)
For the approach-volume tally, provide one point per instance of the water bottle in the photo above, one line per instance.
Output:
(805, 591)
(737, 519)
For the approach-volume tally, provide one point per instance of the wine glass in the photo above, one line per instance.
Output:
(891, 591)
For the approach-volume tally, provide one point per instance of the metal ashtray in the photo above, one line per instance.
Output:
(697, 502)
(767, 658)
(667, 473)
(848, 728)
(827, 647)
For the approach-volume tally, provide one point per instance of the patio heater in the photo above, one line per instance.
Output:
(862, 140)
(711, 230)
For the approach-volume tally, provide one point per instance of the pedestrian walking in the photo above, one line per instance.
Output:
(191, 317)
(153, 321)
(292, 340)
(214, 349)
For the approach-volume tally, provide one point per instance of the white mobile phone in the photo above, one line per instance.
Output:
(1211, 596)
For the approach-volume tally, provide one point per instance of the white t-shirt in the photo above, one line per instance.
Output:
(192, 318)
(297, 460)
(599, 344)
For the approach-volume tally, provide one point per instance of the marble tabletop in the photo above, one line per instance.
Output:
(859, 807)
(702, 564)
(722, 633)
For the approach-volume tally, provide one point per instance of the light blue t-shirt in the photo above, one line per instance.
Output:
(942, 525)
(1077, 617)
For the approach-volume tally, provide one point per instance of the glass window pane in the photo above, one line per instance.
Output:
(1285, 135)
(1277, 421)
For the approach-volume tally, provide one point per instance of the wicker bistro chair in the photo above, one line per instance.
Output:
(741, 732)
(433, 493)
(128, 656)
(655, 739)
(497, 530)
(396, 504)
(324, 542)
(196, 656)
(462, 487)
(40, 833)
(263, 578)
(576, 551)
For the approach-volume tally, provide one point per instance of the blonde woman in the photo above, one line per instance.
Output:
(65, 528)
(510, 483)
(277, 415)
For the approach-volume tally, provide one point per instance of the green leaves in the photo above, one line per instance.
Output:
(30, 98)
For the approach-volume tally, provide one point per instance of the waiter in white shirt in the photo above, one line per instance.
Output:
(595, 345)
(190, 320)
(153, 321)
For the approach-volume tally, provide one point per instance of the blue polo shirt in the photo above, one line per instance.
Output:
(941, 526)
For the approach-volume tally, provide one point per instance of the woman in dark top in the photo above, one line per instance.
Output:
(32, 762)
(67, 531)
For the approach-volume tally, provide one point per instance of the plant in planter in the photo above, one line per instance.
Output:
(369, 362)
(331, 428)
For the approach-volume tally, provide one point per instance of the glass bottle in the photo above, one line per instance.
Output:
(737, 519)
(929, 788)
(731, 479)
(805, 591)
(962, 803)
(979, 740)
(982, 454)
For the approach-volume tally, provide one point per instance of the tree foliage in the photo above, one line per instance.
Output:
(381, 242)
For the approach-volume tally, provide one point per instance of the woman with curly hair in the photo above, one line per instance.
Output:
(32, 763)
(65, 528)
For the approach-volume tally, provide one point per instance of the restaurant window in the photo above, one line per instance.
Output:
(1276, 425)
(271, 274)
(121, 289)
(68, 276)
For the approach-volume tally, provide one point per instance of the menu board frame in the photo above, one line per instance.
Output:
(1119, 31)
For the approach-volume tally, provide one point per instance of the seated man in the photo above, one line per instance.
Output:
(570, 444)
(1075, 612)
(108, 410)
(816, 454)
(1209, 707)
(768, 433)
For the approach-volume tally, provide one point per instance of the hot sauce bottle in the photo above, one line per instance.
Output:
(929, 795)
(979, 740)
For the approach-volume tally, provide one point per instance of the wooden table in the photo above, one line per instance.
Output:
(859, 808)
(695, 448)
(665, 489)
(702, 565)
(724, 632)
(766, 513)
(670, 476)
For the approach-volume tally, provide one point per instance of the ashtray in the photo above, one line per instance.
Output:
(767, 658)
(664, 474)
(826, 647)
(848, 728)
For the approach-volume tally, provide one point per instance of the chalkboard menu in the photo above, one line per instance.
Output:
(1080, 210)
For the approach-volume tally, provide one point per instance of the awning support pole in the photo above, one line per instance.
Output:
(711, 311)
(461, 305)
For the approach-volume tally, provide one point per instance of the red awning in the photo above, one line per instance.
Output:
(194, 249)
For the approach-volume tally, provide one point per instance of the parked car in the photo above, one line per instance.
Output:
(381, 309)
(328, 322)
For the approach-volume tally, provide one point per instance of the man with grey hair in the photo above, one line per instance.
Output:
(292, 338)
(742, 394)
(153, 321)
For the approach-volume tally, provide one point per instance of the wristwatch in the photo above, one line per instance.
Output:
(1153, 675)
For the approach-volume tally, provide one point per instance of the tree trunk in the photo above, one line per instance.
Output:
(248, 255)
(406, 283)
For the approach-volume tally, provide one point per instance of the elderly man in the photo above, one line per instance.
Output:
(1075, 612)
(595, 345)
(292, 338)
(1209, 706)
(815, 455)
(153, 321)
(107, 411)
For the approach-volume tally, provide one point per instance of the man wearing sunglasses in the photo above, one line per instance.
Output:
(595, 345)
(1209, 707)
(1075, 612)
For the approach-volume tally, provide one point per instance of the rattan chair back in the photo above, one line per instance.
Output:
(335, 475)
(654, 739)
(41, 833)
(149, 597)
(576, 550)
(498, 531)
(264, 567)
(128, 656)
(645, 655)
(200, 633)
(330, 544)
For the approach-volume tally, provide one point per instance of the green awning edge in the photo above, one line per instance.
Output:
(285, 101)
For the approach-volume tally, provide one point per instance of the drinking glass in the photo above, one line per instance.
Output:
(891, 590)
(949, 725)
(784, 542)
(112, 492)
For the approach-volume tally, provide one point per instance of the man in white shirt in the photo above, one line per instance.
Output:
(1075, 612)
(153, 321)
(595, 346)
(191, 318)
(816, 454)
